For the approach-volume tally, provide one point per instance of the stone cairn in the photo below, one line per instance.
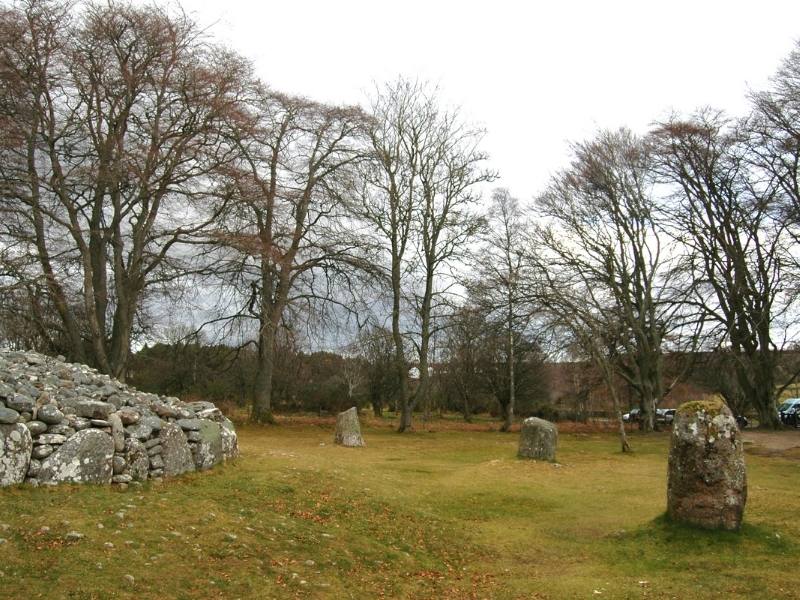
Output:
(707, 479)
(538, 439)
(348, 429)
(62, 422)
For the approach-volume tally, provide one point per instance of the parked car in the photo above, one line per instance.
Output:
(633, 416)
(665, 415)
(789, 412)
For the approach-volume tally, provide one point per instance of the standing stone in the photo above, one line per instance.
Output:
(707, 479)
(15, 453)
(175, 452)
(348, 429)
(230, 441)
(117, 432)
(538, 439)
(84, 458)
(137, 459)
(208, 451)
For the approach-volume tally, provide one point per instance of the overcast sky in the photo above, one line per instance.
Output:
(536, 75)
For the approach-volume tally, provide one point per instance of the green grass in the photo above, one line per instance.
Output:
(452, 514)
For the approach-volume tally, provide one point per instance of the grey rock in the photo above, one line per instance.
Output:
(208, 451)
(137, 459)
(84, 458)
(176, 454)
(6, 391)
(50, 414)
(230, 441)
(189, 424)
(200, 405)
(117, 432)
(214, 414)
(15, 453)
(8, 416)
(60, 429)
(20, 403)
(33, 467)
(538, 439)
(119, 464)
(348, 429)
(153, 442)
(36, 427)
(49, 438)
(707, 478)
(154, 450)
(94, 409)
(165, 411)
(43, 451)
(144, 429)
(128, 416)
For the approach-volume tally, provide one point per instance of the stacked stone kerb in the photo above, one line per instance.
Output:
(62, 422)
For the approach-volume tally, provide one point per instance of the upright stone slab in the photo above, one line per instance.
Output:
(207, 451)
(348, 429)
(136, 459)
(86, 457)
(538, 439)
(175, 452)
(707, 479)
(230, 441)
(15, 453)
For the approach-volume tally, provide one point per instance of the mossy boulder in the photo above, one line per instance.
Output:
(707, 478)
(538, 439)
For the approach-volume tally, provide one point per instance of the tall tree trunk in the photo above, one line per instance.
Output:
(509, 410)
(401, 369)
(262, 394)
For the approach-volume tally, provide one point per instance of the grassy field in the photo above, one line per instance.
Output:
(447, 514)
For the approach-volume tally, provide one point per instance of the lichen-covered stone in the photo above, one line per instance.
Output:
(348, 429)
(208, 451)
(49, 414)
(175, 452)
(94, 409)
(15, 453)
(84, 458)
(707, 478)
(137, 459)
(538, 439)
(230, 441)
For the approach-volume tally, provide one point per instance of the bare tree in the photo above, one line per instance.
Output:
(418, 196)
(110, 119)
(502, 278)
(727, 216)
(602, 264)
(286, 234)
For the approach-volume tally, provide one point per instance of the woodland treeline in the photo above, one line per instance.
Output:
(148, 178)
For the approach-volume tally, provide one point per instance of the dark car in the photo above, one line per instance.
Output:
(789, 412)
